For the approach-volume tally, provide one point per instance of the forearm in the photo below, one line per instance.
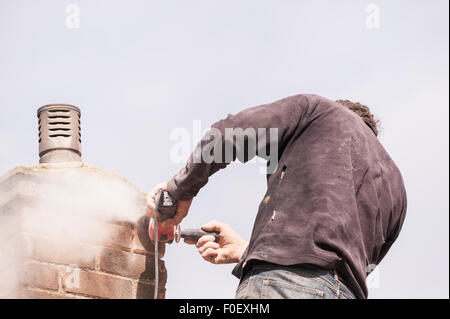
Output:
(187, 183)
(254, 131)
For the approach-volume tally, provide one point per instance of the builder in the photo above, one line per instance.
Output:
(334, 204)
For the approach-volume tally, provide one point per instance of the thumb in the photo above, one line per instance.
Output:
(213, 225)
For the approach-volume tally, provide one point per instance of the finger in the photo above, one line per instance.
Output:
(154, 192)
(150, 208)
(213, 225)
(210, 254)
(157, 188)
(161, 186)
(210, 244)
(150, 200)
(204, 239)
(212, 259)
(190, 242)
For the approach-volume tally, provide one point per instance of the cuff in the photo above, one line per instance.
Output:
(175, 191)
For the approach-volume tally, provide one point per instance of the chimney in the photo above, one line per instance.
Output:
(71, 230)
(59, 133)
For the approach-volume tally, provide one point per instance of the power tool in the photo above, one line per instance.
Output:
(166, 206)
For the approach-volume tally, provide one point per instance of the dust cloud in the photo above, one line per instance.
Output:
(67, 203)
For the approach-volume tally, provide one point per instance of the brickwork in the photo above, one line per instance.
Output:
(56, 262)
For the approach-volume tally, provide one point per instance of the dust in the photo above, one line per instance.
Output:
(69, 203)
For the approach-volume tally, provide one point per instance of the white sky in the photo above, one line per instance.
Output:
(139, 69)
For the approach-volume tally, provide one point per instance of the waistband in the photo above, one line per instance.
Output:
(254, 264)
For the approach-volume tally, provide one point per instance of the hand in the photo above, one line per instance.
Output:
(228, 250)
(182, 207)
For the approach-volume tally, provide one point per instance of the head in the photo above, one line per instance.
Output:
(364, 112)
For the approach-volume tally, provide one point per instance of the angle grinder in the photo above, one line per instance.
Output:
(166, 206)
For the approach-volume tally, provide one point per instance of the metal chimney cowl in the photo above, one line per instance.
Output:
(59, 133)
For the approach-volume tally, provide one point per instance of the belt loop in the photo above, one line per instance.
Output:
(338, 283)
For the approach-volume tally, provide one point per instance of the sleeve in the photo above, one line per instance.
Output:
(398, 226)
(258, 131)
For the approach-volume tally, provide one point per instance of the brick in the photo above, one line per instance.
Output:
(33, 293)
(79, 229)
(125, 263)
(59, 251)
(119, 235)
(36, 221)
(138, 248)
(96, 232)
(100, 285)
(41, 275)
(130, 265)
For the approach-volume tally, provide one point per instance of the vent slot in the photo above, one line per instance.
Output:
(58, 110)
(60, 135)
(59, 129)
(58, 123)
(59, 117)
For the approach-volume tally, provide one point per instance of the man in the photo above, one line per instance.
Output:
(334, 205)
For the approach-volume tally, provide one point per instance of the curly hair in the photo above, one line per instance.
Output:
(364, 112)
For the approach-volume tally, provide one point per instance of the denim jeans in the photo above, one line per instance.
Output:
(271, 281)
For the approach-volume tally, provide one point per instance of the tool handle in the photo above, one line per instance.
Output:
(167, 205)
(194, 234)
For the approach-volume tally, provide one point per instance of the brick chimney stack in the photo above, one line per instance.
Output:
(46, 252)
